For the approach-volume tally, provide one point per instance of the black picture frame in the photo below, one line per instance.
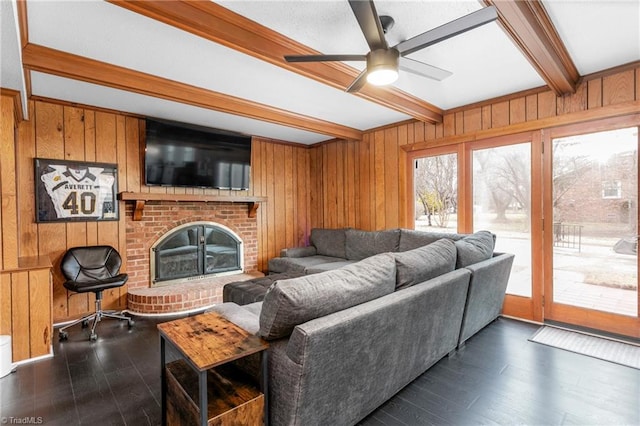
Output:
(75, 191)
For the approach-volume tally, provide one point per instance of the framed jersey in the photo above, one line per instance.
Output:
(75, 191)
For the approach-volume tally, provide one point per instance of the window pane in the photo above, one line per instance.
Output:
(436, 193)
(502, 205)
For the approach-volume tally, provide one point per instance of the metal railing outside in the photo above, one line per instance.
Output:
(567, 235)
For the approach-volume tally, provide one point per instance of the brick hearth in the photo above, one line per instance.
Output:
(160, 217)
(181, 297)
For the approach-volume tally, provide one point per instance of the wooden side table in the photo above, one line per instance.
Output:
(206, 386)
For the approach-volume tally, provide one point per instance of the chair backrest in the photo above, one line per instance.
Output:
(84, 264)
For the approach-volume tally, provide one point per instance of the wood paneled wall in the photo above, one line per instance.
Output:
(8, 207)
(8, 190)
(376, 167)
(335, 177)
(282, 173)
(360, 184)
(25, 308)
(66, 132)
(59, 131)
(25, 293)
(357, 181)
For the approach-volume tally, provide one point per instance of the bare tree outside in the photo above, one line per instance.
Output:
(502, 205)
(502, 181)
(568, 168)
(436, 188)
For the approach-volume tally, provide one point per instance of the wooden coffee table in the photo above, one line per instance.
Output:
(208, 373)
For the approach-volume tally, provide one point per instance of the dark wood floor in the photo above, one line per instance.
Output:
(497, 378)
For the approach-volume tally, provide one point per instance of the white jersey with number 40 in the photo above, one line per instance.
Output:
(77, 193)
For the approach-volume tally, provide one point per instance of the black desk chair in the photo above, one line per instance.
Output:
(93, 269)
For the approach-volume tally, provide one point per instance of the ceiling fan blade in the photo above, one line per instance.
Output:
(369, 22)
(448, 30)
(324, 58)
(358, 83)
(422, 69)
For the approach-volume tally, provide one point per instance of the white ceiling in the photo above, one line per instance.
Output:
(598, 34)
(11, 70)
(11, 75)
(485, 62)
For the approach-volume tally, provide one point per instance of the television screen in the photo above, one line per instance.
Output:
(179, 154)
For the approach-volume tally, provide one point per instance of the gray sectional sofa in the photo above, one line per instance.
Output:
(335, 248)
(345, 339)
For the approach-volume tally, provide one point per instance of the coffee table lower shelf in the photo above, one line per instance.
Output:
(234, 397)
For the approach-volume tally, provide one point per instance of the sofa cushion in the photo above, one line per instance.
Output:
(247, 319)
(329, 242)
(474, 248)
(243, 292)
(411, 239)
(422, 264)
(298, 264)
(253, 290)
(254, 308)
(363, 244)
(298, 300)
(298, 251)
(324, 267)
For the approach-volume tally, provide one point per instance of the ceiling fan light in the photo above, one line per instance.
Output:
(382, 66)
(382, 76)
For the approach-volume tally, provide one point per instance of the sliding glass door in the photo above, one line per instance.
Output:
(592, 186)
(502, 205)
(505, 198)
(563, 200)
(488, 185)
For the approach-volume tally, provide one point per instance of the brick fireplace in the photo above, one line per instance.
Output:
(159, 218)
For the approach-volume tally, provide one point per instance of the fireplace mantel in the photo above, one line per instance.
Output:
(140, 198)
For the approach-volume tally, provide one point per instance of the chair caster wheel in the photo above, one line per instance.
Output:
(63, 335)
(85, 324)
(130, 323)
(93, 337)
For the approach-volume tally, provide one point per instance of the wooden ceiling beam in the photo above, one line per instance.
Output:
(215, 23)
(51, 61)
(531, 29)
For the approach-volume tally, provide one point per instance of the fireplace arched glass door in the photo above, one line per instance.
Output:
(195, 250)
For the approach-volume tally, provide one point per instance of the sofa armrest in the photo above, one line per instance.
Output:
(298, 251)
(489, 280)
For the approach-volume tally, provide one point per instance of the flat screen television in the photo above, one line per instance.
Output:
(178, 154)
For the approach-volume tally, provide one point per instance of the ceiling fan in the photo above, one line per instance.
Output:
(383, 61)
